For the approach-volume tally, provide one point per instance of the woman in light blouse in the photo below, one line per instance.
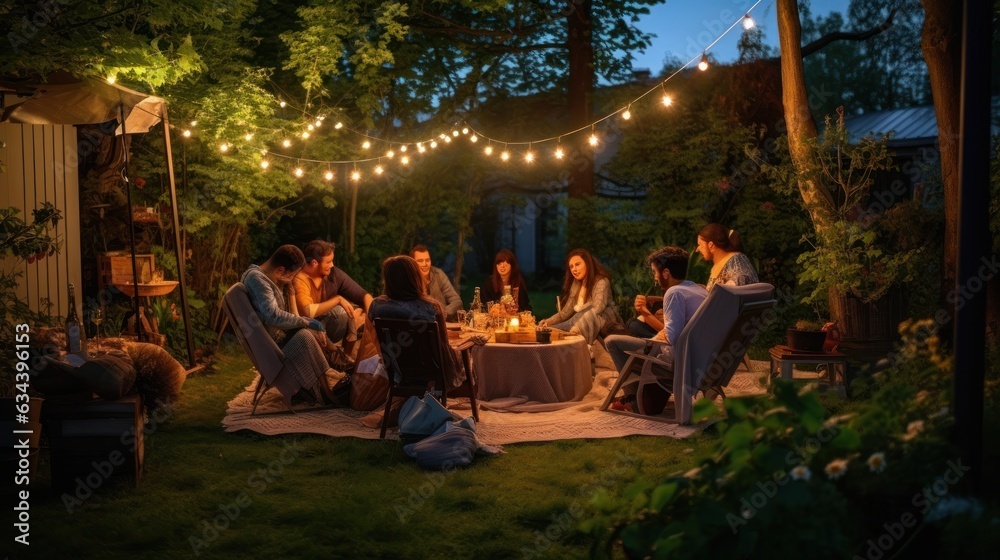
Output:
(586, 304)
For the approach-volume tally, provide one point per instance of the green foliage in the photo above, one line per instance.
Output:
(783, 466)
(21, 242)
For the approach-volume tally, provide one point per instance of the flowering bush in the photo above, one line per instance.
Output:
(787, 478)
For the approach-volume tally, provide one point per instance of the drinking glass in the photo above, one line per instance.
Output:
(97, 317)
(462, 319)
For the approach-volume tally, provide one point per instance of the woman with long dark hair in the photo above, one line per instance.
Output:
(586, 305)
(404, 297)
(506, 272)
(721, 247)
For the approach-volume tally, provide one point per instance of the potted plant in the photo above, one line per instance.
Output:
(806, 336)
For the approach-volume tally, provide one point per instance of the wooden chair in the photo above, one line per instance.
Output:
(737, 313)
(413, 352)
(264, 353)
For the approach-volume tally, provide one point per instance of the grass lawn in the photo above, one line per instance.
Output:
(211, 494)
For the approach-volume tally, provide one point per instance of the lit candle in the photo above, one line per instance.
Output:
(514, 323)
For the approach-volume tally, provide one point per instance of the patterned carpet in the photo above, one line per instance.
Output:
(576, 420)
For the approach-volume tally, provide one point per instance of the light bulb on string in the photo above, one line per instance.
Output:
(328, 175)
(505, 155)
(248, 136)
(434, 144)
(194, 123)
(305, 135)
(390, 154)
(454, 133)
(286, 143)
(421, 148)
(379, 170)
(529, 156)
(474, 138)
(318, 123)
(310, 128)
(339, 125)
(488, 150)
(356, 175)
(282, 104)
(366, 145)
(593, 138)
(111, 79)
(667, 101)
(224, 147)
(627, 113)
(465, 130)
(748, 22)
(186, 133)
(405, 160)
(703, 65)
(559, 153)
(299, 172)
(402, 148)
(447, 139)
(264, 164)
(442, 136)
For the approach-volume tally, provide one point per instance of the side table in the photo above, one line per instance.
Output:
(835, 362)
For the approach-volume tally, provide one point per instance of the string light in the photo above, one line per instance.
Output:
(318, 122)
(299, 172)
(328, 175)
(454, 133)
(447, 139)
(356, 175)
(405, 160)
(489, 150)
(465, 130)
(194, 124)
(286, 143)
(248, 137)
(529, 157)
(264, 164)
(505, 155)
(402, 148)
(366, 145)
(703, 65)
(628, 113)
(111, 79)
(310, 128)
(223, 147)
(305, 135)
(421, 148)
(667, 101)
(559, 153)
(390, 154)
(282, 104)
(379, 170)
(474, 138)
(748, 22)
(434, 144)
(186, 133)
(593, 139)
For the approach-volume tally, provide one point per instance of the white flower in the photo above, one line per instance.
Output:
(877, 462)
(912, 429)
(836, 469)
(801, 472)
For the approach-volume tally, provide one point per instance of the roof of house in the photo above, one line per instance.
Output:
(913, 126)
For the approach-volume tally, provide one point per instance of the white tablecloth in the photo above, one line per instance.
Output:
(544, 373)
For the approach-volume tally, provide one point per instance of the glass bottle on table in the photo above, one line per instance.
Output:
(475, 308)
(76, 338)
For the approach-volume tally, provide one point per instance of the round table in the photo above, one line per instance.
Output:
(548, 373)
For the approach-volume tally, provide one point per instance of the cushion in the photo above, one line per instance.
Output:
(109, 376)
(51, 377)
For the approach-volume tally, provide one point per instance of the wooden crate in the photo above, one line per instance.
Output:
(116, 268)
(95, 443)
(523, 335)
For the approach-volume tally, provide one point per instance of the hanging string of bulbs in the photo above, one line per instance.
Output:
(460, 129)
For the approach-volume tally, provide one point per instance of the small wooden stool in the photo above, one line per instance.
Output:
(787, 358)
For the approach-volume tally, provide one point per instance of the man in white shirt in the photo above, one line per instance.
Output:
(681, 299)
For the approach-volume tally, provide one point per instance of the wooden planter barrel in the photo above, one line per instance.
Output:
(877, 321)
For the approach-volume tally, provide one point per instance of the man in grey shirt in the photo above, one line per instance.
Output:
(438, 285)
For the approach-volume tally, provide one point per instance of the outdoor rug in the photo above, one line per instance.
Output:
(576, 420)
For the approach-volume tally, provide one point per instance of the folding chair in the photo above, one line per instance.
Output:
(263, 352)
(414, 353)
(708, 359)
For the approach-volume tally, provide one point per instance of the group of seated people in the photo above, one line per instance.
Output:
(308, 305)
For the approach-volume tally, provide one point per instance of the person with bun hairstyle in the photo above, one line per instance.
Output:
(721, 247)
